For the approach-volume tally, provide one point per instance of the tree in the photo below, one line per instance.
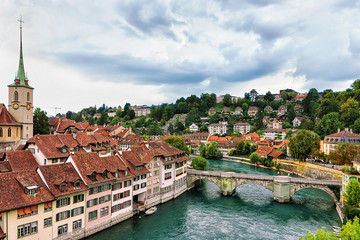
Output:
(199, 163)
(291, 114)
(227, 100)
(310, 100)
(102, 119)
(307, 124)
(320, 235)
(349, 111)
(245, 106)
(240, 148)
(303, 144)
(254, 158)
(351, 230)
(344, 153)
(269, 97)
(328, 105)
(352, 194)
(259, 124)
(328, 124)
(193, 116)
(246, 148)
(171, 128)
(212, 151)
(41, 122)
(253, 148)
(202, 150)
(286, 125)
(115, 120)
(356, 126)
(288, 134)
(356, 84)
(177, 142)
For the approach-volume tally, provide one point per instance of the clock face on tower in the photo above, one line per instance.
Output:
(15, 106)
(28, 106)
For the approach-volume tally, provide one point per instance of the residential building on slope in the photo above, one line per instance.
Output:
(242, 128)
(346, 136)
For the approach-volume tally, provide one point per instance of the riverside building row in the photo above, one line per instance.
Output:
(86, 193)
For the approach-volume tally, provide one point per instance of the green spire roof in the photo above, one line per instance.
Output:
(21, 78)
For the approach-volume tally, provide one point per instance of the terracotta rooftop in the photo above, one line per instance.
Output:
(12, 194)
(6, 119)
(47, 145)
(61, 179)
(21, 160)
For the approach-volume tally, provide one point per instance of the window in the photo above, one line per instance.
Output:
(149, 166)
(104, 199)
(117, 186)
(47, 222)
(156, 172)
(62, 229)
(9, 132)
(16, 96)
(149, 183)
(149, 174)
(28, 97)
(157, 180)
(127, 183)
(93, 215)
(143, 185)
(1, 132)
(120, 206)
(62, 202)
(78, 198)
(167, 175)
(156, 164)
(92, 202)
(28, 211)
(27, 229)
(77, 224)
(149, 191)
(62, 215)
(168, 166)
(47, 206)
(155, 189)
(54, 161)
(136, 187)
(104, 211)
(77, 211)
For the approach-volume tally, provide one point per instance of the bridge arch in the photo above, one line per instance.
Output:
(297, 188)
(192, 179)
(268, 185)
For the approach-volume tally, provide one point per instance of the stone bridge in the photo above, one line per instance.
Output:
(282, 187)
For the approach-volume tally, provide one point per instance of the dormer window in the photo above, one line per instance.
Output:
(62, 187)
(63, 150)
(126, 173)
(31, 191)
(117, 174)
(104, 174)
(77, 184)
(93, 176)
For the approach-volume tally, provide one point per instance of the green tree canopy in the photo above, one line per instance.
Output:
(254, 158)
(304, 143)
(227, 100)
(41, 122)
(177, 142)
(350, 111)
(352, 194)
(328, 124)
(199, 163)
(269, 97)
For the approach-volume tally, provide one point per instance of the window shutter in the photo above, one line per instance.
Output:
(72, 212)
(82, 209)
(82, 197)
(75, 199)
(57, 217)
(57, 203)
(68, 213)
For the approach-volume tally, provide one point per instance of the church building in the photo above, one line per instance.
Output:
(16, 122)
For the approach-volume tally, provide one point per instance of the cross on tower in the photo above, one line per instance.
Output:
(20, 21)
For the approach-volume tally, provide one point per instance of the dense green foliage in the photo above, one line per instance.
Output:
(199, 163)
(350, 231)
(41, 122)
(352, 194)
(210, 151)
(303, 144)
(177, 142)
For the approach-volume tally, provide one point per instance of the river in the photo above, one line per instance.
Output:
(251, 213)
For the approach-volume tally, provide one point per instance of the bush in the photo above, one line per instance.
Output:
(199, 163)
(255, 158)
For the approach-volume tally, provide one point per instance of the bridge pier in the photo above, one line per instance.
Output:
(282, 189)
(227, 186)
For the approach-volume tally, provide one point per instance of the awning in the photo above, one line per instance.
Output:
(27, 210)
(49, 204)
(45, 205)
(21, 212)
(34, 208)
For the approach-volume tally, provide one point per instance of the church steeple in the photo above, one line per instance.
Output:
(21, 78)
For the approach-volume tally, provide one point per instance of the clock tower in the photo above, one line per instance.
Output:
(21, 97)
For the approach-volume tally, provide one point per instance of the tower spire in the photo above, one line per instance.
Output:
(20, 76)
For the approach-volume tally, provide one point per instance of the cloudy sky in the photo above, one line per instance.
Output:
(83, 53)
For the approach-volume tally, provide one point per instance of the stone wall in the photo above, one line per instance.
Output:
(310, 170)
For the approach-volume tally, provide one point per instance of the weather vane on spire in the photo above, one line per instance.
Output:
(20, 21)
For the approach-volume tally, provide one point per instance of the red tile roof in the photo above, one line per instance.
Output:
(344, 134)
(68, 140)
(21, 160)
(2, 234)
(12, 194)
(48, 145)
(62, 174)
(6, 119)
(5, 166)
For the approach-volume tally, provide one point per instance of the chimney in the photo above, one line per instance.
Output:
(338, 130)
(351, 130)
(346, 129)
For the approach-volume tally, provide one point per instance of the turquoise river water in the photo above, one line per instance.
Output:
(251, 213)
